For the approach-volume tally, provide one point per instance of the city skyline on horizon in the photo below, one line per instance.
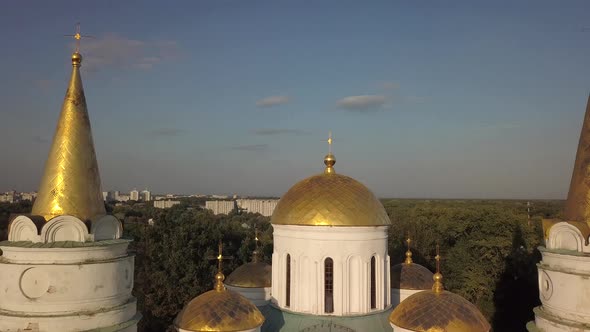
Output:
(219, 98)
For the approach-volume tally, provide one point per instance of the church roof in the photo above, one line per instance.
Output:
(71, 182)
(251, 275)
(330, 199)
(411, 276)
(283, 320)
(219, 310)
(438, 311)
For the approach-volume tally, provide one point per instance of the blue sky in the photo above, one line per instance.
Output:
(461, 99)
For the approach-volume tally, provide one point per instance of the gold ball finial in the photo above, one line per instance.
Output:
(329, 161)
(76, 59)
(438, 286)
(408, 257)
(219, 278)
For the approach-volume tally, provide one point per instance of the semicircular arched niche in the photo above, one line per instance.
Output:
(22, 228)
(64, 228)
(565, 236)
(107, 228)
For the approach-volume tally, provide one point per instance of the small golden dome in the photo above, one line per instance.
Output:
(438, 311)
(330, 199)
(219, 310)
(251, 275)
(411, 276)
(76, 59)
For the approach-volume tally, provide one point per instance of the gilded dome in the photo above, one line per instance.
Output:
(432, 311)
(330, 199)
(251, 275)
(411, 276)
(219, 310)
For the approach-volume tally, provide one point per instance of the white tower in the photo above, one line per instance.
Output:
(564, 271)
(64, 267)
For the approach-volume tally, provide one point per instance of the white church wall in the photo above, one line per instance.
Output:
(350, 248)
(564, 285)
(61, 288)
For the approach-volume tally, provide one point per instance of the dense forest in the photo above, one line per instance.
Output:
(488, 249)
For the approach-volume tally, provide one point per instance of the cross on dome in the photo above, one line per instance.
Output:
(219, 277)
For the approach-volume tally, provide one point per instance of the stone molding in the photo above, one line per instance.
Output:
(64, 228)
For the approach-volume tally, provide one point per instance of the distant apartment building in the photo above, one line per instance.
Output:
(263, 206)
(8, 197)
(30, 196)
(161, 204)
(146, 196)
(219, 196)
(123, 198)
(111, 196)
(220, 207)
(134, 195)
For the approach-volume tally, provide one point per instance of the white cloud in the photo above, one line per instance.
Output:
(272, 101)
(362, 103)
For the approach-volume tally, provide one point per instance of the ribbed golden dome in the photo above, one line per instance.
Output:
(219, 310)
(330, 199)
(411, 276)
(430, 311)
(251, 275)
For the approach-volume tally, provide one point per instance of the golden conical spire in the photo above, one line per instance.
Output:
(438, 286)
(577, 206)
(71, 181)
(408, 252)
(329, 159)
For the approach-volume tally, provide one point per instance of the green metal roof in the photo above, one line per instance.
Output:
(278, 320)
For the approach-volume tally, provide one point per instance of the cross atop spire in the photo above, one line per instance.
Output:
(77, 36)
(330, 142)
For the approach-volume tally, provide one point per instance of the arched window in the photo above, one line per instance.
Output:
(373, 284)
(288, 283)
(329, 285)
